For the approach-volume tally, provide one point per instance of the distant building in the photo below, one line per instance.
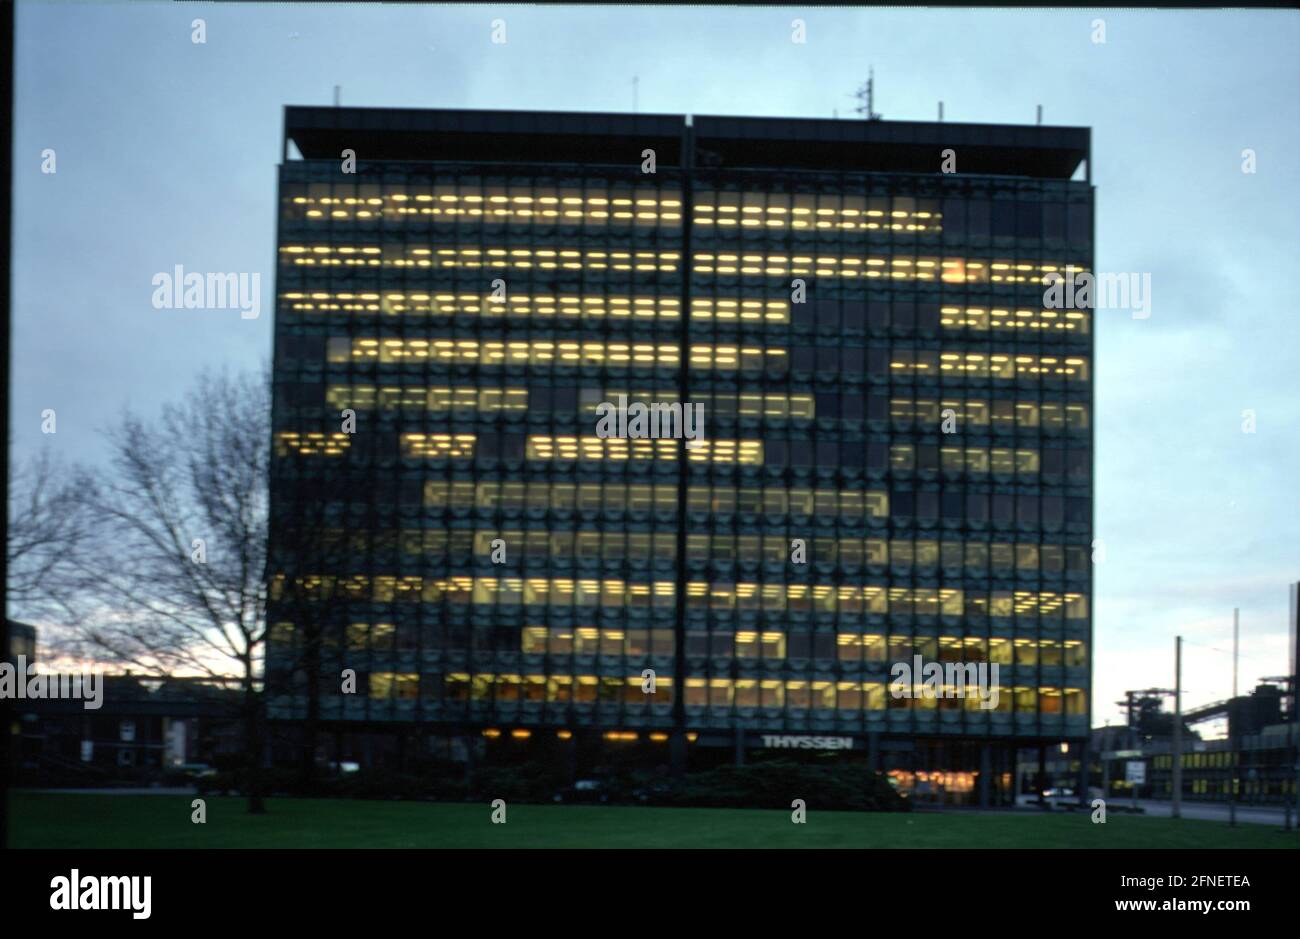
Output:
(21, 641)
(143, 728)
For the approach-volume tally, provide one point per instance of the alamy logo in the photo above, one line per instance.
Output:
(193, 291)
(1083, 290)
(921, 679)
(656, 420)
(18, 683)
(75, 892)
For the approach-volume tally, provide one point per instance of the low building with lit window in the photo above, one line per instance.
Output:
(896, 458)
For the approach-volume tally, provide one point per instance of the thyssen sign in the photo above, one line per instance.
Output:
(802, 742)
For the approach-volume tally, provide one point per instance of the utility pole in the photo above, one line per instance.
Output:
(867, 96)
(1178, 728)
(1232, 736)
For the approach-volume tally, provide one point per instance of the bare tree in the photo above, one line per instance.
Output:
(48, 526)
(171, 578)
(309, 546)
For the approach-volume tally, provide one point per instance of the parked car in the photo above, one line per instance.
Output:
(1051, 798)
(1059, 797)
(584, 791)
(652, 793)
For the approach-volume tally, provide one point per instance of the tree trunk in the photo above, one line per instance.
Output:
(311, 727)
(253, 747)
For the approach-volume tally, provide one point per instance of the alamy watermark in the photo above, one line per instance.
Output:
(18, 683)
(194, 291)
(1084, 290)
(921, 679)
(656, 420)
(91, 892)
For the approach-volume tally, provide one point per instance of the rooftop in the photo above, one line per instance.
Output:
(592, 138)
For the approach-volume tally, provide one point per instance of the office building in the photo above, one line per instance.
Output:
(896, 455)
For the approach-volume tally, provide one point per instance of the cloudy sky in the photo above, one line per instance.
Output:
(166, 153)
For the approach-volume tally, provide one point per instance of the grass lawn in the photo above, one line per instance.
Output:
(49, 820)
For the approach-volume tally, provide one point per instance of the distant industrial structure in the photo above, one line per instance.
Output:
(1258, 762)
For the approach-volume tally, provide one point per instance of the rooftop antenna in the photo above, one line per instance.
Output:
(940, 111)
(635, 81)
(337, 89)
(1040, 115)
(866, 95)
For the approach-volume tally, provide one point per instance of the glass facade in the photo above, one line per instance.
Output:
(880, 382)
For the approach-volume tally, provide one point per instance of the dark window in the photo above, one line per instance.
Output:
(512, 446)
(564, 398)
(954, 218)
(927, 506)
(1080, 217)
(952, 503)
(927, 317)
(854, 314)
(828, 314)
(904, 314)
(1053, 511)
(1029, 220)
(1080, 465)
(1054, 221)
(877, 407)
(877, 314)
(1004, 219)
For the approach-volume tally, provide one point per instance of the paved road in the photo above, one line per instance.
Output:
(151, 791)
(1218, 812)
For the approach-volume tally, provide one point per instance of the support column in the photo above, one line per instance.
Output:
(1085, 771)
(677, 743)
(986, 770)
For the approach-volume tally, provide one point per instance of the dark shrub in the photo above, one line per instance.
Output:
(525, 782)
(835, 787)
